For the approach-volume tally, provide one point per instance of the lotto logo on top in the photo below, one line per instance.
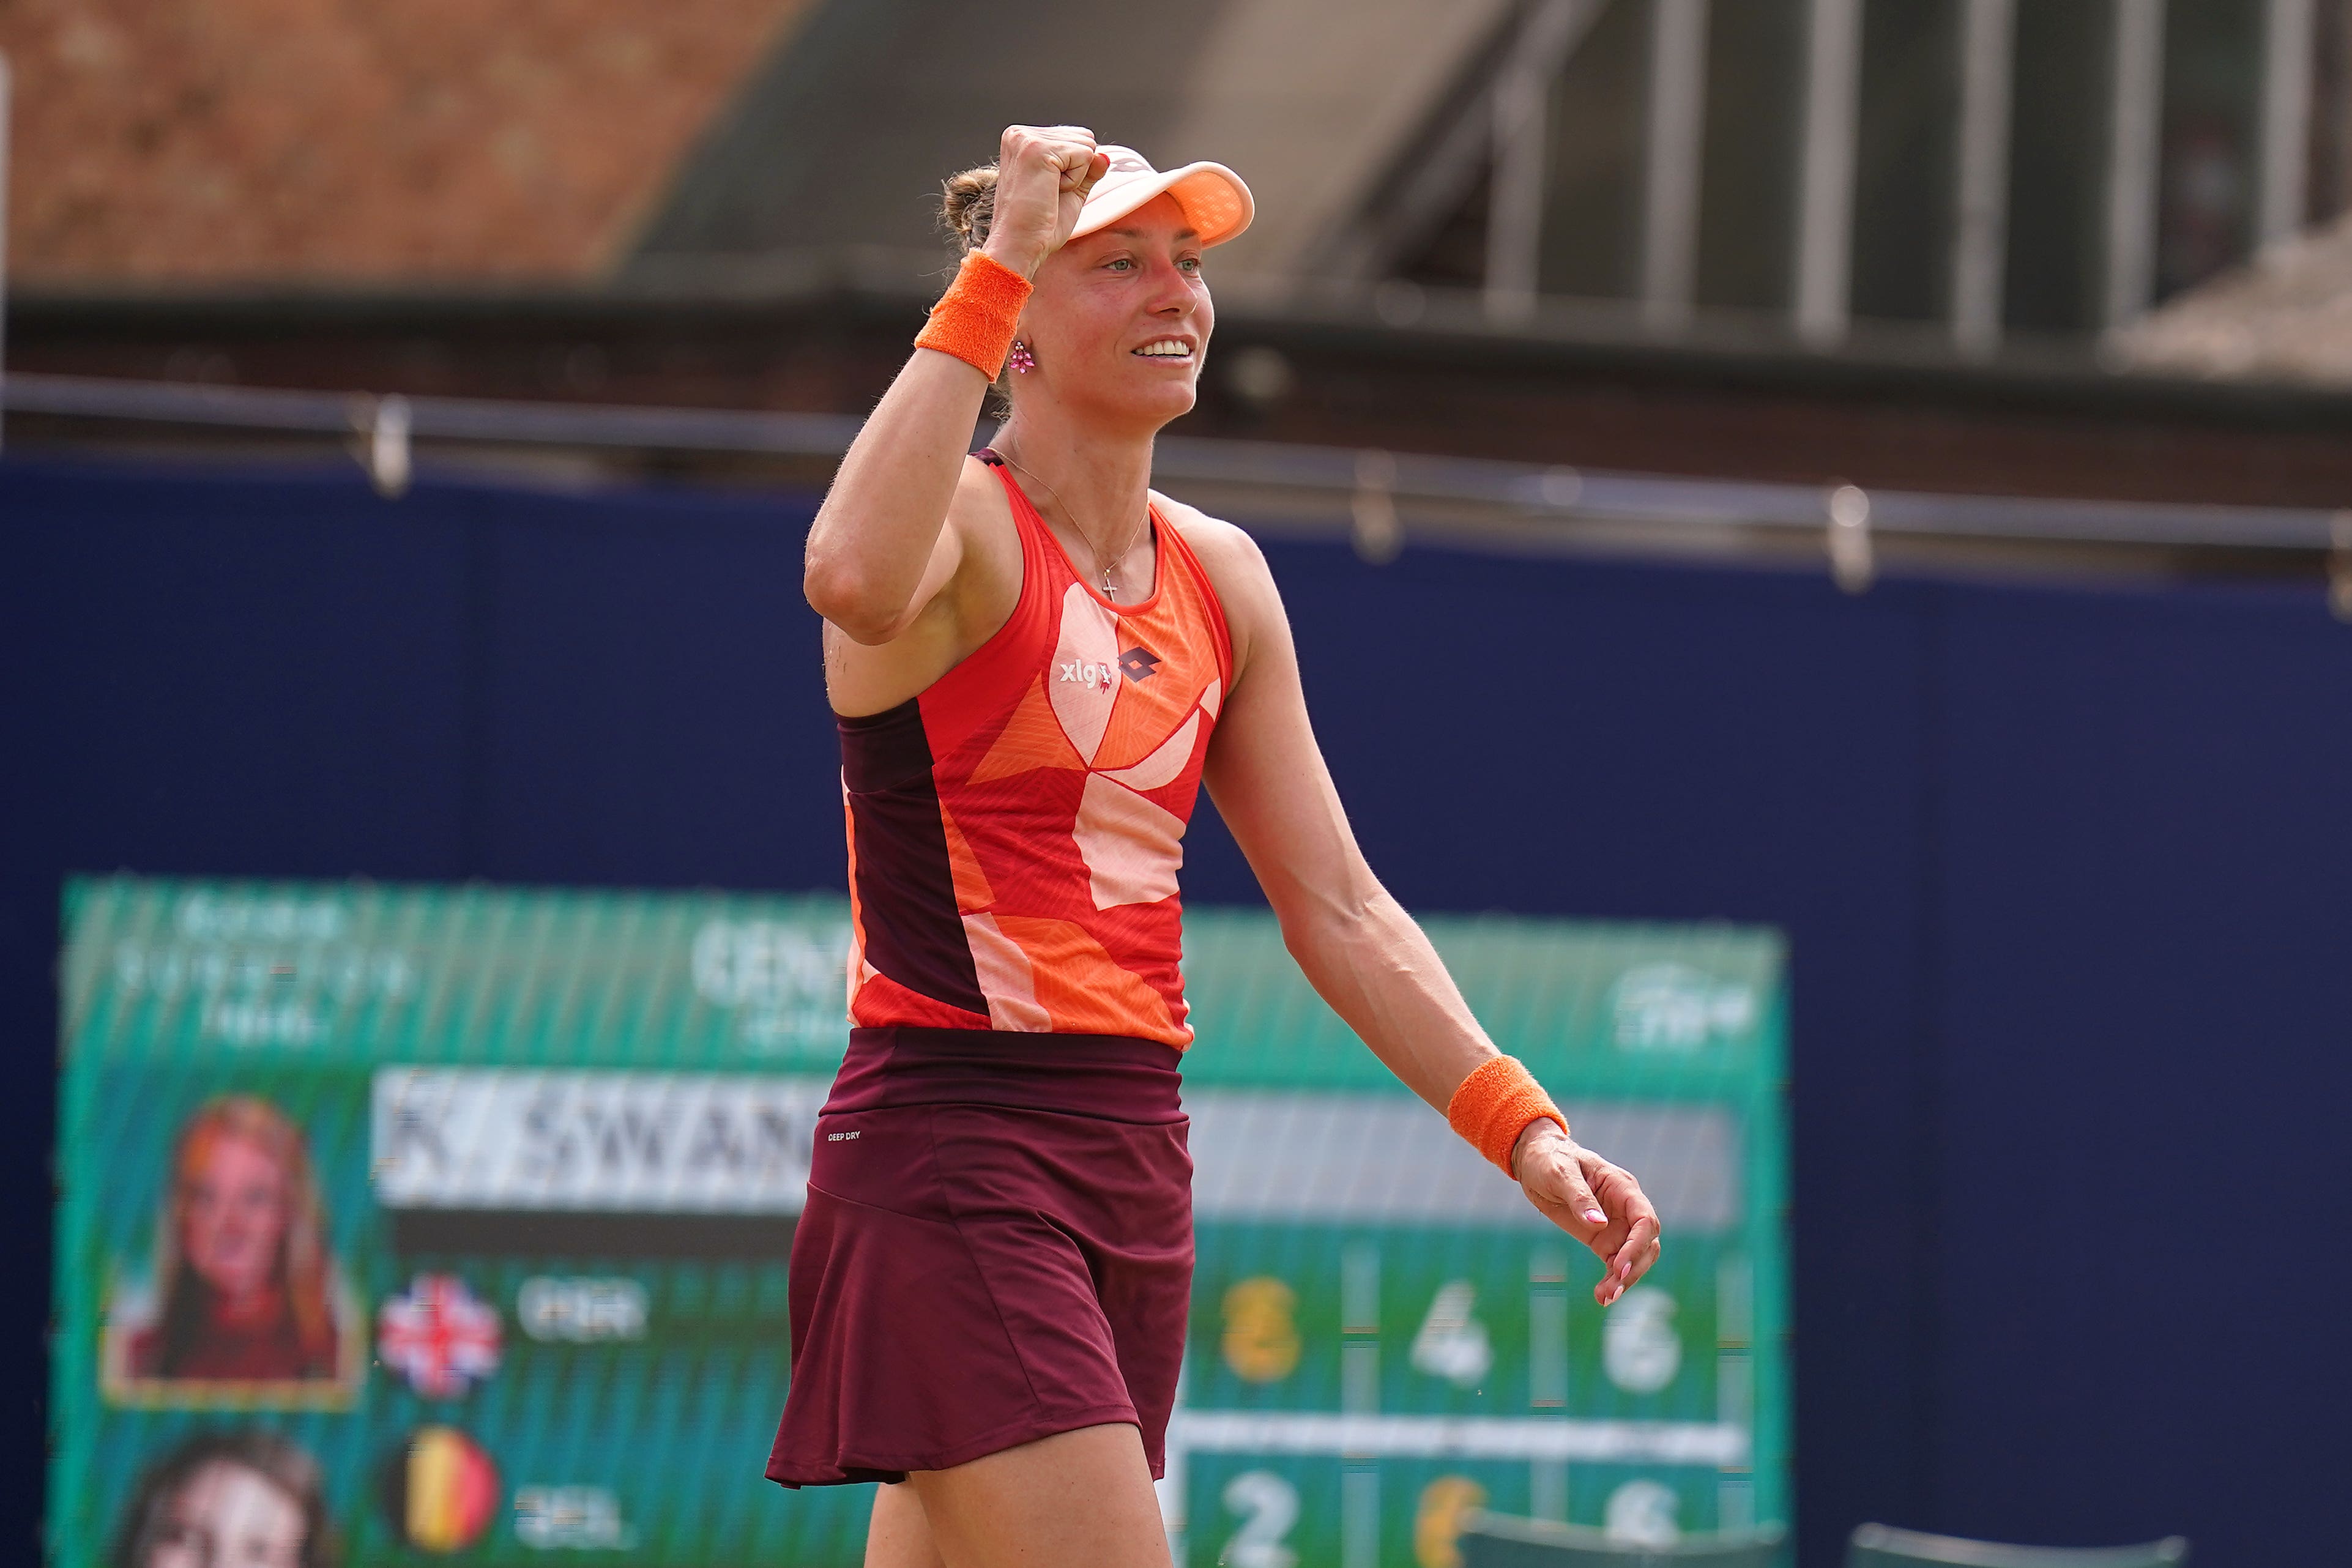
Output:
(1137, 663)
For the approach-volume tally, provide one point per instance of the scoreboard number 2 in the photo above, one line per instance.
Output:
(1269, 1507)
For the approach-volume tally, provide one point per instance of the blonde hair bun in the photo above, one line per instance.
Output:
(967, 204)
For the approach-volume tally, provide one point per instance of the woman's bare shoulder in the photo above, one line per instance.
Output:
(1236, 570)
(1230, 556)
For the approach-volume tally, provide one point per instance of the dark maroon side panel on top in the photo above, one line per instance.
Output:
(906, 886)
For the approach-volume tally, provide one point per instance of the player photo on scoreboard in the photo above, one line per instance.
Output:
(244, 1305)
(247, 1498)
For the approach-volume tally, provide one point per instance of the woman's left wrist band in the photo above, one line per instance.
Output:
(1497, 1102)
(975, 318)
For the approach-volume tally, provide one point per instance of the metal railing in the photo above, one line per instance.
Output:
(1375, 494)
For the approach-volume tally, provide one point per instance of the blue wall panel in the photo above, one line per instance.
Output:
(2147, 952)
(654, 697)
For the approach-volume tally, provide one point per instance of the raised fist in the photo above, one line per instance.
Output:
(1043, 175)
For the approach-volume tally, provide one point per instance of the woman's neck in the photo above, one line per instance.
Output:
(1102, 483)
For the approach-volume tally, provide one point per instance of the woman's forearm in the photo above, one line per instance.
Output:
(1373, 964)
(874, 538)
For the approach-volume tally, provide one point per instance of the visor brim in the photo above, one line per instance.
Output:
(1215, 201)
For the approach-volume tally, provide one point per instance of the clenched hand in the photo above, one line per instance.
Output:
(1043, 175)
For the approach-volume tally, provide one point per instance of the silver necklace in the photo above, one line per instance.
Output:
(1109, 590)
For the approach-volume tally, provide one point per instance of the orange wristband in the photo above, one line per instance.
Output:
(1493, 1106)
(975, 318)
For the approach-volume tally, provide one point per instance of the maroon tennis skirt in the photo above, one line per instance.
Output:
(998, 1247)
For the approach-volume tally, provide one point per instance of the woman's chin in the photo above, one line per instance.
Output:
(1131, 407)
(1156, 405)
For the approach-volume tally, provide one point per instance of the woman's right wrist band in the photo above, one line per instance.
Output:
(974, 320)
(1495, 1104)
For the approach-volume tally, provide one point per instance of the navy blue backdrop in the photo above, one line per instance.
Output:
(2065, 874)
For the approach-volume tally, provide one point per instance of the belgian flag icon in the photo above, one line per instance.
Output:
(441, 1489)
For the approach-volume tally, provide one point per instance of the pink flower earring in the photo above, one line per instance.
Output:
(1021, 359)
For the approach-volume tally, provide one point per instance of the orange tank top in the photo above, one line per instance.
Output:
(1015, 829)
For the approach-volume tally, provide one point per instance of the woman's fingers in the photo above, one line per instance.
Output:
(1579, 1195)
(1630, 1260)
(1024, 141)
(1043, 176)
(1550, 1176)
(1080, 162)
(1598, 1204)
(1638, 1245)
(1042, 173)
(1631, 1244)
(1067, 150)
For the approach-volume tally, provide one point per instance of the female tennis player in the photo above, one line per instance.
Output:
(1036, 661)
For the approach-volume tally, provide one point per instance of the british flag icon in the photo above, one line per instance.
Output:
(439, 1336)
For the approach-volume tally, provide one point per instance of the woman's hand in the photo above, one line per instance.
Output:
(1043, 175)
(1568, 1182)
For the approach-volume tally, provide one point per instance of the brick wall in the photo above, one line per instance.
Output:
(191, 141)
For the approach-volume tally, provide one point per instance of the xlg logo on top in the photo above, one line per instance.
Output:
(1137, 663)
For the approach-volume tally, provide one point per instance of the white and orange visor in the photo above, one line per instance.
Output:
(1214, 200)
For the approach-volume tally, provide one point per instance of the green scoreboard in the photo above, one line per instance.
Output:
(412, 1225)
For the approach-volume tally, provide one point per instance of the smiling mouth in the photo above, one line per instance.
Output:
(1174, 349)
